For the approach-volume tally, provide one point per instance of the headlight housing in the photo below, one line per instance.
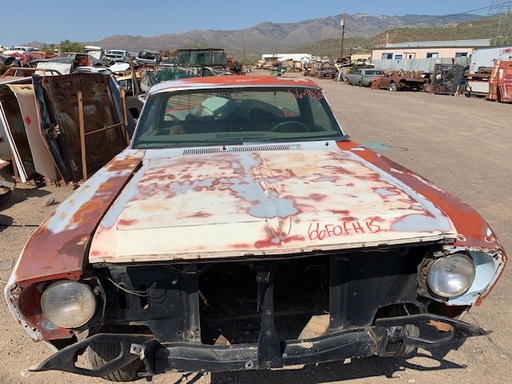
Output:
(68, 304)
(451, 276)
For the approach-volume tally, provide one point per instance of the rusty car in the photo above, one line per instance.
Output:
(242, 229)
(399, 80)
(40, 126)
(500, 82)
(326, 70)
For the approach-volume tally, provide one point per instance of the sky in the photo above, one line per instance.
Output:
(92, 20)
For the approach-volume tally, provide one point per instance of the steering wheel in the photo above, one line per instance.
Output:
(304, 127)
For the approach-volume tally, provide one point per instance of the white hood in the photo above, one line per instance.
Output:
(262, 203)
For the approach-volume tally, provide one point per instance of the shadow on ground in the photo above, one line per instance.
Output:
(338, 372)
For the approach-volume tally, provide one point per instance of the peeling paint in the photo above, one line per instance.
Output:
(254, 198)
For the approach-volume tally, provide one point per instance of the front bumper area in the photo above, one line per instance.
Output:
(268, 353)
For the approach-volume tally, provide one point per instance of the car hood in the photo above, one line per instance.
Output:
(257, 203)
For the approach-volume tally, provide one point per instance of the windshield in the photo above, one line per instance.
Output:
(235, 116)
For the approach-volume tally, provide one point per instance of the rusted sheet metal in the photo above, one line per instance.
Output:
(43, 161)
(57, 98)
(471, 227)
(500, 82)
(222, 81)
(473, 233)
(13, 131)
(64, 236)
(266, 202)
(31, 317)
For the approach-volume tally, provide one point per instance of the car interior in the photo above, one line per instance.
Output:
(241, 114)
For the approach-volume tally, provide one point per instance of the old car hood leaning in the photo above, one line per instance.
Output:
(225, 204)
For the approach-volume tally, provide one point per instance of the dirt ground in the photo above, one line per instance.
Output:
(462, 144)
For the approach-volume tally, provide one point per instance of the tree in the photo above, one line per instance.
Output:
(69, 46)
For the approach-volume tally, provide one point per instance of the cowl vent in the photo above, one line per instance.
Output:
(252, 148)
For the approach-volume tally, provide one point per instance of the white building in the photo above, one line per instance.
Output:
(428, 49)
(424, 55)
(291, 59)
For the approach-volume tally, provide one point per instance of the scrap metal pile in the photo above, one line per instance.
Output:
(58, 112)
(59, 128)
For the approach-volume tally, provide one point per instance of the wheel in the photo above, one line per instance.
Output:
(392, 87)
(101, 353)
(290, 123)
(397, 348)
(435, 88)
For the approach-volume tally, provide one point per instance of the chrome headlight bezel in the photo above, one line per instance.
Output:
(68, 304)
(451, 275)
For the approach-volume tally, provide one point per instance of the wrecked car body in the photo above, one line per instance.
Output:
(399, 81)
(21, 143)
(104, 132)
(53, 127)
(500, 82)
(242, 229)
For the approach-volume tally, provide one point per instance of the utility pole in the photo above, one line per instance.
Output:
(501, 9)
(342, 33)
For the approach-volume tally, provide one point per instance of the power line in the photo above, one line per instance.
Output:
(501, 10)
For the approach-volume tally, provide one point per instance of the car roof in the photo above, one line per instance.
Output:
(116, 51)
(212, 82)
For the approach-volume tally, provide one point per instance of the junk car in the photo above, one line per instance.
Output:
(242, 229)
(116, 55)
(362, 76)
(399, 81)
(326, 70)
(148, 57)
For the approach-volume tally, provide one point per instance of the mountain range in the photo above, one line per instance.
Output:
(270, 37)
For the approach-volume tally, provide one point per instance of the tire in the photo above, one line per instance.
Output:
(392, 87)
(397, 348)
(101, 353)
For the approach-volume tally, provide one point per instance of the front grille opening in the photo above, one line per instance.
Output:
(229, 300)
(144, 301)
(123, 300)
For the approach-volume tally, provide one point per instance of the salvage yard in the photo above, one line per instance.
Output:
(461, 144)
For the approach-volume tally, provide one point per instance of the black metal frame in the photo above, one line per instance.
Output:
(155, 312)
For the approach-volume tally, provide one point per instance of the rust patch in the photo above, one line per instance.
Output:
(51, 255)
(467, 221)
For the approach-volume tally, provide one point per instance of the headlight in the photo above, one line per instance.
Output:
(451, 276)
(68, 304)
